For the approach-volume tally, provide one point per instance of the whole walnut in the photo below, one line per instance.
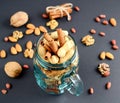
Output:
(13, 69)
(19, 18)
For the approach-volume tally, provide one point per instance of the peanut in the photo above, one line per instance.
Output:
(108, 85)
(13, 50)
(37, 31)
(29, 31)
(105, 22)
(12, 39)
(3, 54)
(30, 26)
(76, 8)
(29, 45)
(97, 19)
(4, 91)
(102, 55)
(73, 30)
(8, 85)
(65, 48)
(18, 47)
(91, 90)
(109, 55)
(113, 22)
(43, 29)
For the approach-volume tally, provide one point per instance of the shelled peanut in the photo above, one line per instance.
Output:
(3, 53)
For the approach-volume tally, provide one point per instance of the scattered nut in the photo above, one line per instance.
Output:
(105, 22)
(88, 40)
(113, 42)
(53, 24)
(104, 69)
(43, 29)
(76, 8)
(30, 26)
(45, 16)
(4, 91)
(12, 69)
(18, 47)
(29, 31)
(102, 34)
(18, 19)
(109, 55)
(102, 55)
(102, 16)
(97, 19)
(37, 31)
(113, 22)
(12, 39)
(115, 47)
(8, 86)
(73, 30)
(108, 85)
(29, 45)
(93, 31)
(13, 50)
(2, 53)
(6, 39)
(91, 90)
(25, 66)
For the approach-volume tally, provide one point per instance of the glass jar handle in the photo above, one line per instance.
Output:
(76, 85)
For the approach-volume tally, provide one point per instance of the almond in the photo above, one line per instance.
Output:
(109, 55)
(29, 45)
(113, 22)
(43, 29)
(3, 54)
(30, 26)
(13, 50)
(29, 31)
(18, 47)
(12, 39)
(91, 90)
(37, 31)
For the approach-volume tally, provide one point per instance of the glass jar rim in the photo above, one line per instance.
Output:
(50, 66)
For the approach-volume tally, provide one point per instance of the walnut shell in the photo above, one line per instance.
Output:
(19, 18)
(12, 69)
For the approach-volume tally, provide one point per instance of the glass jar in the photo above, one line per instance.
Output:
(56, 78)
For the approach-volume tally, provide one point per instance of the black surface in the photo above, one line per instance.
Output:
(25, 89)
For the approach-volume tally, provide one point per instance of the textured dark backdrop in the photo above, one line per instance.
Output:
(25, 89)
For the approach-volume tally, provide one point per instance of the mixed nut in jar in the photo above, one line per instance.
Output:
(56, 63)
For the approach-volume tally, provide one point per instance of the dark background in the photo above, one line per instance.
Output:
(24, 88)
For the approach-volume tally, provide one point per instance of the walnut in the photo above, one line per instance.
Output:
(104, 69)
(18, 19)
(88, 40)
